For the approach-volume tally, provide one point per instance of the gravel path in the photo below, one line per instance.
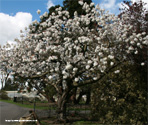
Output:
(11, 112)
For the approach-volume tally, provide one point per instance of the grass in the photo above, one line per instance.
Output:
(85, 123)
(43, 123)
(78, 109)
(78, 120)
(44, 105)
(29, 105)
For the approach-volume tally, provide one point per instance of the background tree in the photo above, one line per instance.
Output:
(72, 5)
(10, 85)
(121, 98)
(4, 75)
(4, 95)
(136, 15)
(37, 83)
(4, 72)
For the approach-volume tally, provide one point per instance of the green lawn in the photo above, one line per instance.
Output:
(29, 105)
(45, 105)
(85, 123)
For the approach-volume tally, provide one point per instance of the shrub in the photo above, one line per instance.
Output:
(121, 98)
(3, 95)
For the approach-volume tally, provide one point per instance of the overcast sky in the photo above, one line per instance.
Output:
(18, 14)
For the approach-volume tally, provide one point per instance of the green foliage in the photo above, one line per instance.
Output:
(53, 8)
(50, 91)
(3, 95)
(10, 87)
(81, 123)
(121, 98)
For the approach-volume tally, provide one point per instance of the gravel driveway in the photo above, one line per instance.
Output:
(11, 112)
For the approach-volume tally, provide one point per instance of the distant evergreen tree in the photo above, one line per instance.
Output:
(72, 5)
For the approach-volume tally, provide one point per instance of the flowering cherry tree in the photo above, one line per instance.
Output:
(69, 53)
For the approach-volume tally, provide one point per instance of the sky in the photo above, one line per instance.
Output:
(18, 14)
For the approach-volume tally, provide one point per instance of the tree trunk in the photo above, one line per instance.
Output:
(79, 98)
(2, 85)
(51, 99)
(73, 96)
(61, 112)
(88, 98)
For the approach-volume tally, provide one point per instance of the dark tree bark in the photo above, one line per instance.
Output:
(79, 97)
(88, 97)
(51, 99)
(62, 100)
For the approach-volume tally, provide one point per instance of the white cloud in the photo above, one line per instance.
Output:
(10, 26)
(122, 5)
(50, 4)
(110, 5)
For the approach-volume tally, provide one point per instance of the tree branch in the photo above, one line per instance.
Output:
(101, 76)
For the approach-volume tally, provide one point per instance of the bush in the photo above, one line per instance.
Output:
(3, 95)
(121, 98)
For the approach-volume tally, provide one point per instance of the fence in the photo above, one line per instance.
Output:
(45, 109)
(71, 110)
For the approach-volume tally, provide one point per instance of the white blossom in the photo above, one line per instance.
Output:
(95, 64)
(92, 4)
(111, 57)
(89, 62)
(117, 71)
(80, 2)
(38, 11)
(56, 69)
(138, 44)
(136, 52)
(45, 14)
(75, 69)
(111, 63)
(100, 54)
(95, 78)
(143, 33)
(145, 42)
(68, 66)
(132, 42)
(38, 73)
(64, 72)
(65, 77)
(130, 48)
(50, 77)
(87, 66)
(76, 79)
(142, 64)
